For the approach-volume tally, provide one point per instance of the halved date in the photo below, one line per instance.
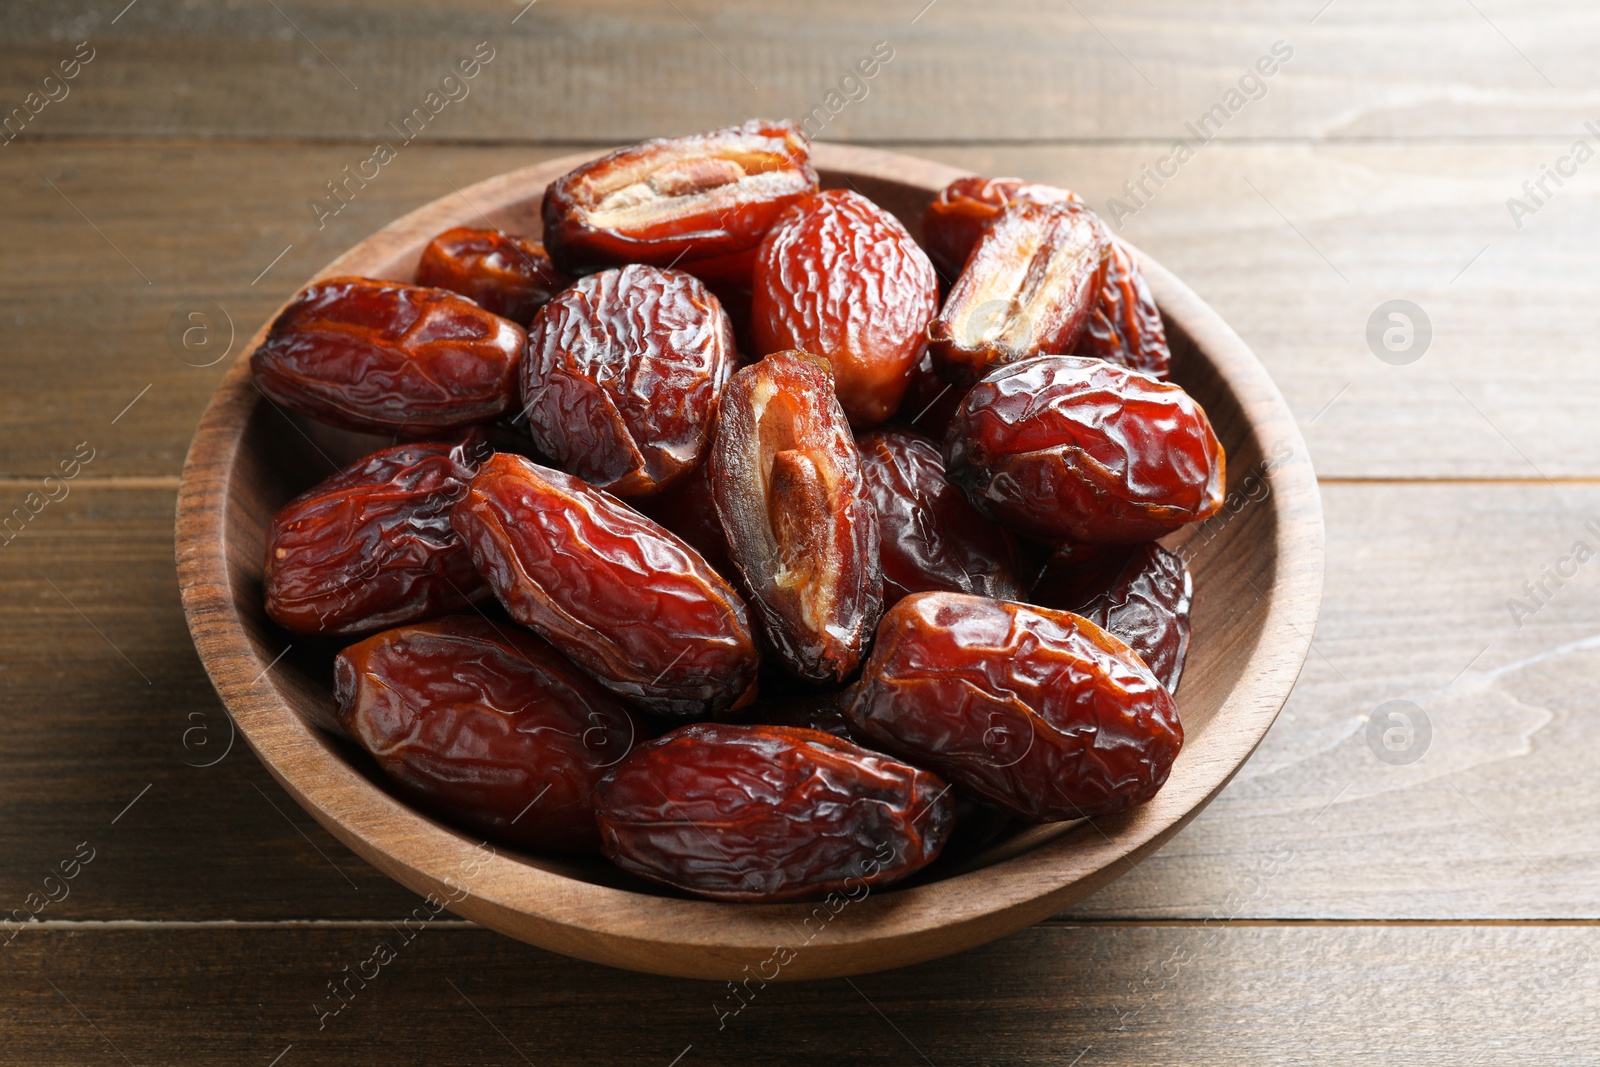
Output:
(508, 275)
(488, 726)
(622, 377)
(786, 479)
(769, 813)
(1040, 712)
(964, 209)
(386, 357)
(1065, 448)
(701, 202)
(929, 536)
(841, 278)
(1126, 326)
(372, 546)
(1028, 288)
(619, 595)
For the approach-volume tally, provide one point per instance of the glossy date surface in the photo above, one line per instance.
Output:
(372, 546)
(506, 274)
(768, 813)
(1040, 712)
(701, 202)
(964, 209)
(622, 377)
(786, 480)
(486, 725)
(1028, 288)
(386, 357)
(841, 278)
(618, 594)
(1065, 448)
(929, 536)
(1125, 326)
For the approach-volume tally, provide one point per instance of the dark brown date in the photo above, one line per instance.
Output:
(786, 479)
(622, 377)
(701, 202)
(1065, 448)
(1140, 593)
(372, 546)
(965, 208)
(929, 536)
(508, 275)
(619, 595)
(1040, 712)
(769, 813)
(488, 726)
(1028, 288)
(386, 357)
(1125, 326)
(840, 278)
(930, 401)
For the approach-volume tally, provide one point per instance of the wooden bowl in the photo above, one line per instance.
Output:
(1258, 583)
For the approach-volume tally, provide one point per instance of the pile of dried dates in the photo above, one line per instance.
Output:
(734, 535)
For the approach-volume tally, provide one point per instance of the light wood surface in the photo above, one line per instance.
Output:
(1391, 142)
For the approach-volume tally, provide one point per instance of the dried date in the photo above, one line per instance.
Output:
(619, 595)
(965, 208)
(841, 278)
(372, 546)
(1065, 448)
(1040, 712)
(622, 376)
(786, 480)
(508, 275)
(488, 726)
(769, 813)
(1125, 326)
(386, 357)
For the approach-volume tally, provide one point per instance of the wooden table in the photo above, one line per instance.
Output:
(1432, 900)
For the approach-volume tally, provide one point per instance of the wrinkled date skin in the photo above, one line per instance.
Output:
(965, 208)
(1040, 712)
(1065, 448)
(508, 275)
(786, 479)
(1125, 326)
(622, 377)
(385, 357)
(486, 725)
(702, 203)
(769, 813)
(619, 595)
(929, 536)
(372, 546)
(839, 277)
(1028, 288)
(1141, 593)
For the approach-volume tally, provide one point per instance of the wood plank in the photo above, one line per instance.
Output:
(564, 70)
(1506, 389)
(1492, 820)
(1226, 995)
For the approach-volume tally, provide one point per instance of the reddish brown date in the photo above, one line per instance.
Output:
(1065, 448)
(1141, 593)
(965, 208)
(488, 726)
(622, 377)
(508, 275)
(386, 357)
(372, 546)
(839, 277)
(624, 599)
(686, 508)
(1125, 326)
(929, 536)
(769, 813)
(1028, 288)
(1040, 712)
(786, 479)
(701, 202)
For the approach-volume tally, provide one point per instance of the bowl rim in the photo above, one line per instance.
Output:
(706, 939)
